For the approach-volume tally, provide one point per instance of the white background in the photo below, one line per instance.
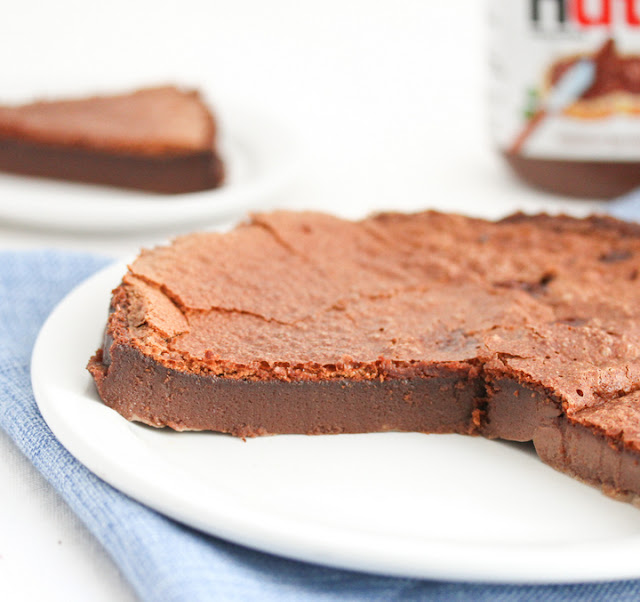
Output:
(386, 96)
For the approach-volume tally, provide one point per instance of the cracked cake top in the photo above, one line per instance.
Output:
(549, 301)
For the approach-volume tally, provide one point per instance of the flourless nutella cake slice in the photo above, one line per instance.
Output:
(157, 139)
(526, 329)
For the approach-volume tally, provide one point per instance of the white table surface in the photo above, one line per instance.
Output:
(386, 96)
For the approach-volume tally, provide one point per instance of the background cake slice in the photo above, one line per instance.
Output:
(157, 139)
(527, 329)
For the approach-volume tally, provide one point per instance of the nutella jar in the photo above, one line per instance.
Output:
(565, 93)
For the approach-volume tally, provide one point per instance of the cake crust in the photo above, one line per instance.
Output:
(526, 329)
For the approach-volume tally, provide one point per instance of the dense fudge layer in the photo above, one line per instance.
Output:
(524, 329)
(158, 139)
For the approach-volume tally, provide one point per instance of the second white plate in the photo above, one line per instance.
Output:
(261, 158)
(434, 506)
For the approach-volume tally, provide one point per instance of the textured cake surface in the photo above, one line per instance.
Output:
(149, 121)
(523, 329)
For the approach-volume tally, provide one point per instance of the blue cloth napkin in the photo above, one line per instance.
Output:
(626, 207)
(163, 560)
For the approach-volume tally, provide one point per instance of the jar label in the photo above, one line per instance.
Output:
(565, 78)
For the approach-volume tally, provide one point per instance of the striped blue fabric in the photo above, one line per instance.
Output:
(163, 560)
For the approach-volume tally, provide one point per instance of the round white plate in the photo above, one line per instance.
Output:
(261, 159)
(437, 506)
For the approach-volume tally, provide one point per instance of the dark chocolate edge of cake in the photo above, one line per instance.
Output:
(143, 390)
(164, 173)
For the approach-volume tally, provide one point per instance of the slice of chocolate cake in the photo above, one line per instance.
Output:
(157, 139)
(523, 329)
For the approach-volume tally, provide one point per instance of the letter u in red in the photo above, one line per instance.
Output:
(587, 13)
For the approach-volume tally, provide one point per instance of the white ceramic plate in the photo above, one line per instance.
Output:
(436, 506)
(260, 155)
